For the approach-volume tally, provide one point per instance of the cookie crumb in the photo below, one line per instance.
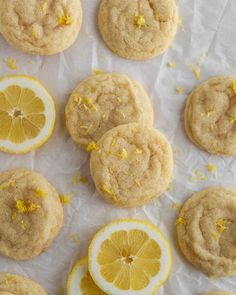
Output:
(83, 179)
(179, 89)
(140, 21)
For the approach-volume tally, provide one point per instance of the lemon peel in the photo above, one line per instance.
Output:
(140, 21)
(181, 220)
(122, 154)
(7, 185)
(97, 71)
(26, 206)
(92, 146)
(34, 33)
(198, 176)
(65, 20)
(107, 190)
(197, 73)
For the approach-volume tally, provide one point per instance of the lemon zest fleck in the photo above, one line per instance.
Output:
(14, 216)
(171, 64)
(64, 20)
(97, 71)
(11, 63)
(74, 238)
(209, 113)
(107, 190)
(181, 220)
(123, 154)
(176, 205)
(34, 33)
(196, 71)
(44, 6)
(198, 176)
(234, 87)
(113, 143)
(221, 226)
(140, 21)
(23, 225)
(232, 120)
(7, 185)
(75, 180)
(179, 89)
(65, 199)
(40, 193)
(211, 167)
(92, 146)
(26, 206)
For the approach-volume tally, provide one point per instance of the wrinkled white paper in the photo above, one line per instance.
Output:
(210, 26)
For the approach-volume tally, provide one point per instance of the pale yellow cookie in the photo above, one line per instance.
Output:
(219, 293)
(43, 27)
(102, 102)
(31, 214)
(210, 116)
(206, 231)
(138, 29)
(132, 165)
(11, 284)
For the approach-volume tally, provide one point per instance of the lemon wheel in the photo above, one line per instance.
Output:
(80, 281)
(129, 257)
(27, 114)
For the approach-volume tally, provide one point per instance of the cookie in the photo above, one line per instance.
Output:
(31, 214)
(138, 29)
(102, 102)
(219, 293)
(131, 165)
(11, 284)
(210, 116)
(206, 231)
(40, 27)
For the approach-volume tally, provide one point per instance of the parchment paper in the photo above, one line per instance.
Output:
(210, 26)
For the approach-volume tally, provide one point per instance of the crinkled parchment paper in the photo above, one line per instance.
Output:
(210, 27)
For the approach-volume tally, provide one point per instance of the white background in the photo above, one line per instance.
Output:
(210, 26)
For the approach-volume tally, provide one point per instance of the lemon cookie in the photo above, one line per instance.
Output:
(132, 165)
(206, 231)
(102, 102)
(40, 27)
(11, 284)
(210, 116)
(138, 29)
(31, 214)
(219, 293)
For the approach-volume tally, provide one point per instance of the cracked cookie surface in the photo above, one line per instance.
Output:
(132, 165)
(31, 214)
(207, 231)
(138, 29)
(210, 116)
(43, 27)
(11, 284)
(102, 102)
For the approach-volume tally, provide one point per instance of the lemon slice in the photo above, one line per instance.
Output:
(80, 281)
(27, 114)
(129, 257)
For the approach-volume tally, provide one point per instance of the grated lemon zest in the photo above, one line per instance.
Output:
(107, 190)
(138, 151)
(179, 89)
(40, 193)
(171, 65)
(221, 226)
(64, 20)
(123, 154)
(196, 71)
(34, 33)
(181, 220)
(234, 87)
(137, 182)
(232, 120)
(65, 199)
(140, 21)
(97, 71)
(44, 6)
(92, 146)
(7, 185)
(26, 206)
(14, 216)
(211, 167)
(11, 63)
